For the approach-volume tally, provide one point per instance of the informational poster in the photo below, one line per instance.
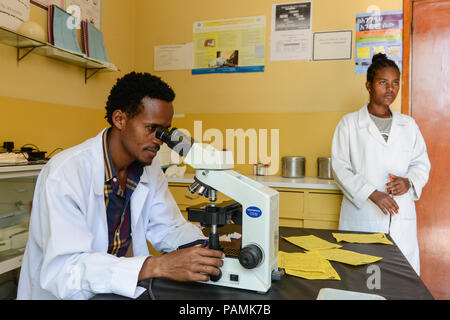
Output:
(378, 32)
(291, 34)
(90, 10)
(229, 45)
(13, 13)
(46, 3)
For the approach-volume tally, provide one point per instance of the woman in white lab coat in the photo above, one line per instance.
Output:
(380, 162)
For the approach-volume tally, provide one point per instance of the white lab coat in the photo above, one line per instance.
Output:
(361, 162)
(66, 254)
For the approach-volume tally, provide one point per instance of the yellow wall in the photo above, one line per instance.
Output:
(284, 86)
(48, 126)
(306, 134)
(303, 99)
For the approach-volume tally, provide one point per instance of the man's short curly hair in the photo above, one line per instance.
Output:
(128, 92)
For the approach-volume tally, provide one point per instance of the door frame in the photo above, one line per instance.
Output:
(406, 56)
(406, 59)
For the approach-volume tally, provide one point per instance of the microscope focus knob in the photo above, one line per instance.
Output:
(250, 256)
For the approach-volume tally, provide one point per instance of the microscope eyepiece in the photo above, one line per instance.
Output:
(163, 134)
(175, 140)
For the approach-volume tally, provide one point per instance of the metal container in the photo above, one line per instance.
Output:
(324, 168)
(293, 167)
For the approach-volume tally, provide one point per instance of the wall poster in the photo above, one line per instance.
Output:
(291, 35)
(378, 32)
(229, 45)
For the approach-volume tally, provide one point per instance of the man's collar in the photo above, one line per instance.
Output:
(134, 171)
(110, 172)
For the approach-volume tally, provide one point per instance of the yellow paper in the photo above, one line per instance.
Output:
(311, 242)
(328, 272)
(307, 265)
(346, 256)
(301, 262)
(362, 238)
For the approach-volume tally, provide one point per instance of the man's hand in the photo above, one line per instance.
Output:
(191, 264)
(398, 185)
(387, 205)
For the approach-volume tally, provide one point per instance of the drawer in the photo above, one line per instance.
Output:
(323, 206)
(320, 224)
(291, 205)
(294, 223)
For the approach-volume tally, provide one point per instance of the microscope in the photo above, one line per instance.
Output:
(253, 206)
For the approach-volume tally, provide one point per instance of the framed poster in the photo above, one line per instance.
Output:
(332, 45)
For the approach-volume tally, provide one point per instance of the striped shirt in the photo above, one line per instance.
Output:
(117, 202)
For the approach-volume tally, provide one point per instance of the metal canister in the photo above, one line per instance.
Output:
(293, 167)
(324, 168)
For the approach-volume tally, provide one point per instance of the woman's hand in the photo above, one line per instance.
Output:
(398, 185)
(387, 204)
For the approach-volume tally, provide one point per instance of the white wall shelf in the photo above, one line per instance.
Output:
(26, 45)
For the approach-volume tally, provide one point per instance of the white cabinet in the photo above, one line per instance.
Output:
(17, 185)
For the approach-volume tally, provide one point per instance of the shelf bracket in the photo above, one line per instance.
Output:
(87, 76)
(30, 49)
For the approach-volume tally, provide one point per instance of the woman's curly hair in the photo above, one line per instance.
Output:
(379, 61)
(128, 92)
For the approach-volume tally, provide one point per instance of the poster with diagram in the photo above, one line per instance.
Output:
(90, 10)
(291, 35)
(378, 32)
(229, 45)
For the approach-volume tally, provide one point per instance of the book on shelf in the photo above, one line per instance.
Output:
(61, 31)
(62, 34)
(93, 44)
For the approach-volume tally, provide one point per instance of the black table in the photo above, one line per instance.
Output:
(398, 279)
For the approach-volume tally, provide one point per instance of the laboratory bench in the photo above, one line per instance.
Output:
(392, 278)
(303, 202)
